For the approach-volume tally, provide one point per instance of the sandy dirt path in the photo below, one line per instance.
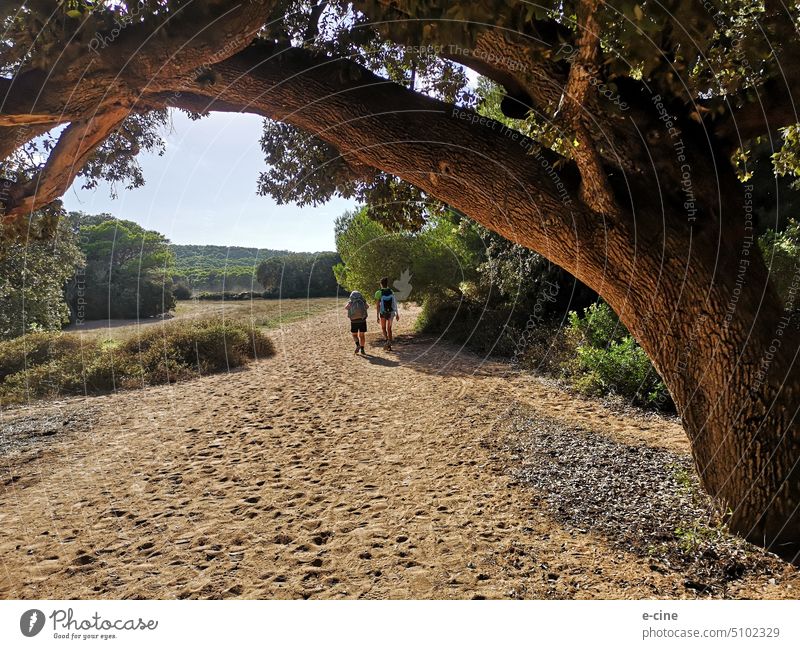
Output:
(311, 474)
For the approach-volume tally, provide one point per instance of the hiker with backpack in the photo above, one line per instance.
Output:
(358, 312)
(386, 304)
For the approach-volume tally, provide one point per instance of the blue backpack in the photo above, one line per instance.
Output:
(387, 301)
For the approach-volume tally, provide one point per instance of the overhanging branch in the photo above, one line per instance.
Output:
(75, 146)
(449, 153)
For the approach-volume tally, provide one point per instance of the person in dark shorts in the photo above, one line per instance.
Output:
(358, 312)
(386, 305)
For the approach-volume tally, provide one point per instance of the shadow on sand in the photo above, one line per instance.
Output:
(381, 360)
(432, 355)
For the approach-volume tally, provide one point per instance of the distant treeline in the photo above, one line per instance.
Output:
(219, 268)
(299, 274)
(210, 271)
(75, 267)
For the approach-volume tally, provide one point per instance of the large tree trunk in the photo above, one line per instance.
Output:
(703, 309)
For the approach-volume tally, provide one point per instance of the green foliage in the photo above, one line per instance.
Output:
(369, 251)
(477, 289)
(219, 268)
(598, 326)
(115, 160)
(229, 295)
(302, 168)
(181, 291)
(781, 251)
(35, 349)
(496, 297)
(50, 365)
(305, 170)
(298, 274)
(480, 328)
(609, 361)
(694, 538)
(437, 260)
(773, 189)
(128, 271)
(221, 272)
(787, 159)
(186, 349)
(34, 267)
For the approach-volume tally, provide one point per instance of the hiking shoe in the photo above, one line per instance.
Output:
(357, 348)
(388, 347)
(363, 352)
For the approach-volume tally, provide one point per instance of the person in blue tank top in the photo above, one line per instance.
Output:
(386, 305)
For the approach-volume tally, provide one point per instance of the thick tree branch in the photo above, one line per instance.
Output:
(595, 188)
(384, 126)
(18, 98)
(96, 69)
(175, 43)
(527, 62)
(584, 64)
(75, 146)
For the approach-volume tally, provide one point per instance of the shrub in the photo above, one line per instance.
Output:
(181, 349)
(50, 365)
(181, 291)
(109, 370)
(482, 329)
(244, 295)
(599, 325)
(35, 349)
(549, 348)
(609, 361)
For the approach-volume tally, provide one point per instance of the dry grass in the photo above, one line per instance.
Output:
(257, 312)
(104, 356)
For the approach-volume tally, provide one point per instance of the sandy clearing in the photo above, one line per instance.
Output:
(315, 474)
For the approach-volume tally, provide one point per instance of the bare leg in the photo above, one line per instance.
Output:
(362, 337)
(355, 338)
(388, 322)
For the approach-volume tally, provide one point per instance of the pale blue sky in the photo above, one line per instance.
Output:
(203, 191)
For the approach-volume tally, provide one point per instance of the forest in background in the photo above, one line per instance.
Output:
(68, 268)
(219, 268)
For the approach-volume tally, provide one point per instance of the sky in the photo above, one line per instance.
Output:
(203, 191)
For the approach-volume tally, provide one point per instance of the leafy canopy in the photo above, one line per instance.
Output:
(34, 268)
(128, 272)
